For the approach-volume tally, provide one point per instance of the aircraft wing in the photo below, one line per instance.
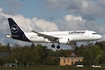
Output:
(51, 38)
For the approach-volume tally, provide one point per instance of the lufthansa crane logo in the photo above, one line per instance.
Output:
(14, 28)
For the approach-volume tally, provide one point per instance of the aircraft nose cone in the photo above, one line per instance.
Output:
(99, 36)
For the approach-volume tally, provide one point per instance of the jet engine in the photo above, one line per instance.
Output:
(64, 40)
(46, 40)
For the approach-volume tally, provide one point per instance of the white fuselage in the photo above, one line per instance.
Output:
(81, 35)
(60, 37)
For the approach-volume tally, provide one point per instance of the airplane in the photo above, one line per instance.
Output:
(60, 37)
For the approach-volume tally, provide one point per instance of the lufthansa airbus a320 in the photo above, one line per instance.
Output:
(60, 37)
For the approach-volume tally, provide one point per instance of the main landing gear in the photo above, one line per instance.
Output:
(53, 46)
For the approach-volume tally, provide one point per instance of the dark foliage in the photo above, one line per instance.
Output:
(41, 55)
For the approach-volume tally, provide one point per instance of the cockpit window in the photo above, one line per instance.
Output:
(94, 33)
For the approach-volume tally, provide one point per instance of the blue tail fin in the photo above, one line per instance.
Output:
(16, 31)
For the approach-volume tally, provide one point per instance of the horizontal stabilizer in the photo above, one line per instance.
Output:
(8, 35)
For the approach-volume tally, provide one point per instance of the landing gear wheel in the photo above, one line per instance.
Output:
(53, 46)
(58, 47)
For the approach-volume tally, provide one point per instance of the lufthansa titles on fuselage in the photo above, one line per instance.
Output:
(76, 32)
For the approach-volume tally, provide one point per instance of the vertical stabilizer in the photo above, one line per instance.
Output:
(16, 31)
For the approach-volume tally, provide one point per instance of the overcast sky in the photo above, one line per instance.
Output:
(52, 15)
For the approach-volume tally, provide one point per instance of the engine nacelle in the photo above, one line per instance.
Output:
(64, 41)
(46, 40)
